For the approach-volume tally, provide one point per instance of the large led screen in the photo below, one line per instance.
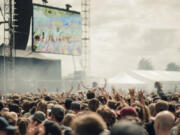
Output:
(56, 30)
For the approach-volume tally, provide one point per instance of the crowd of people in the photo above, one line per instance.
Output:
(94, 111)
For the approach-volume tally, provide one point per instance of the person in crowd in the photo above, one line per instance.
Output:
(88, 124)
(57, 114)
(67, 104)
(51, 128)
(5, 128)
(97, 111)
(159, 107)
(108, 115)
(127, 128)
(76, 107)
(22, 124)
(68, 119)
(93, 104)
(42, 106)
(164, 121)
(160, 92)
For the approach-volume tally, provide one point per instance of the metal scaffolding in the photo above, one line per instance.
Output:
(9, 41)
(9, 45)
(86, 49)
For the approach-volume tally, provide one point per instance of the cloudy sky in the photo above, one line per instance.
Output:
(124, 31)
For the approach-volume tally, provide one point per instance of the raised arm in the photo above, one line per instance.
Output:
(71, 89)
(132, 96)
(105, 83)
(79, 87)
(140, 94)
(82, 83)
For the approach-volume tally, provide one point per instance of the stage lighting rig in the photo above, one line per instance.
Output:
(45, 1)
(68, 6)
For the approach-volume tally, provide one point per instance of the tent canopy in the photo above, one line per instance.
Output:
(162, 76)
(125, 79)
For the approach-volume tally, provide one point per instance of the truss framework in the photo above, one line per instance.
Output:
(86, 19)
(9, 45)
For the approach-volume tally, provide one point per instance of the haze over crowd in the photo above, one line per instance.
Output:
(123, 32)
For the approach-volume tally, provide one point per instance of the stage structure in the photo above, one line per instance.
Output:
(12, 34)
(32, 73)
(86, 24)
(9, 46)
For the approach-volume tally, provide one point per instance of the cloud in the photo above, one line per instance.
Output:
(125, 31)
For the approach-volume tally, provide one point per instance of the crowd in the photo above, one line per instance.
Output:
(94, 111)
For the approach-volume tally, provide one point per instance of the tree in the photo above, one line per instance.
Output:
(172, 67)
(145, 64)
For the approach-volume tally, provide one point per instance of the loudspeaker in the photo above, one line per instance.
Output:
(23, 14)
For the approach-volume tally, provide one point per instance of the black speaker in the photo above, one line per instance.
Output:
(23, 14)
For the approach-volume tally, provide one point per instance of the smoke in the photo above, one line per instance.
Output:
(28, 74)
(124, 31)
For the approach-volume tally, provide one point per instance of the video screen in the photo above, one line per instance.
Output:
(56, 31)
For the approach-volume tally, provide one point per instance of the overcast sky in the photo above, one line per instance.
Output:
(124, 31)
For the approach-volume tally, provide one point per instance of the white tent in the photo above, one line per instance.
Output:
(162, 76)
(169, 79)
(125, 79)
(142, 79)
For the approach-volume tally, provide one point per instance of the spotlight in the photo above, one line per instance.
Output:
(44, 1)
(68, 6)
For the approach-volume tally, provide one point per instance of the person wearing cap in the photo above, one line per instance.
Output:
(5, 127)
(76, 107)
(126, 111)
(68, 102)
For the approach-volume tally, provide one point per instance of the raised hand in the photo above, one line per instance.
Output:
(57, 90)
(62, 94)
(106, 95)
(140, 93)
(117, 96)
(105, 83)
(82, 84)
(132, 92)
(72, 87)
(39, 90)
(41, 130)
(45, 90)
(79, 87)
(100, 89)
(113, 90)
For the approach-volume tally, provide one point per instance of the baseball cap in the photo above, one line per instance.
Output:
(39, 116)
(127, 111)
(75, 106)
(4, 125)
(68, 102)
